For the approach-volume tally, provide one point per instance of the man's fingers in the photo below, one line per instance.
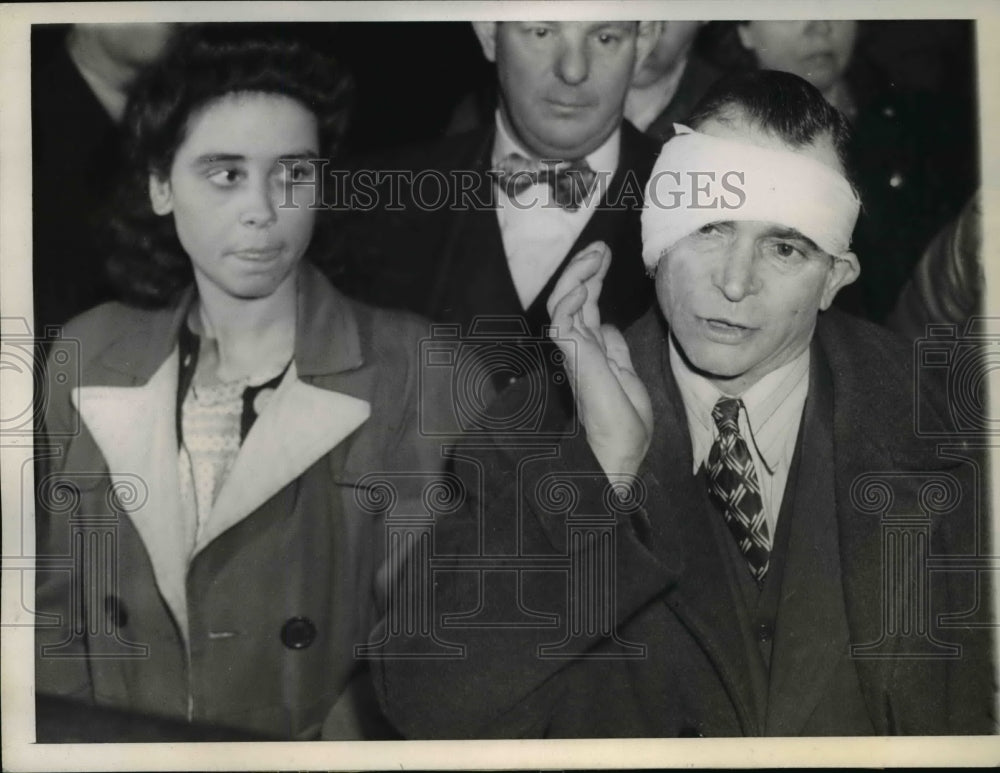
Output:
(587, 264)
(616, 348)
(565, 312)
(594, 284)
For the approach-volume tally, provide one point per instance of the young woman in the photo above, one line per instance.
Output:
(221, 420)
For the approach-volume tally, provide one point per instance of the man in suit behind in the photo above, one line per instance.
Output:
(458, 230)
(755, 455)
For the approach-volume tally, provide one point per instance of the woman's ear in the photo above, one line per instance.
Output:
(161, 197)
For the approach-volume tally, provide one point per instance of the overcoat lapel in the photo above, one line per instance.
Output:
(681, 535)
(810, 638)
(135, 429)
(299, 426)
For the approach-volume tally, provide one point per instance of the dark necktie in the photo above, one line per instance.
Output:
(733, 488)
(570, 182)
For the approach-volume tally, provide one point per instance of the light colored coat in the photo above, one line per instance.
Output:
(253, 625)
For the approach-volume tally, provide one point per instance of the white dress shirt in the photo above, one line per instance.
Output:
(536, 232)
(768, 422)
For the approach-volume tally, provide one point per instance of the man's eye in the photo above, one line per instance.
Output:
(607, 38)
(709, 229)
(540, 32)
(787, 251)
(225, 178)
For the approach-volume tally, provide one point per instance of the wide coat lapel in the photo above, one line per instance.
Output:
(135, 426)
(810, 638)
(131, 414)
(681, 535)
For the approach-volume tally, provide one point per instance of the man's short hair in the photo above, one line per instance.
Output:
(781, 104)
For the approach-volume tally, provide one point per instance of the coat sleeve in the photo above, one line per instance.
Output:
(494, 679)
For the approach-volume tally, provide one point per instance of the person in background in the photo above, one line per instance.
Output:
(949, 282)
(512, 202)
(670, 82)
(78, 98)
(243, 398)
(911, 160)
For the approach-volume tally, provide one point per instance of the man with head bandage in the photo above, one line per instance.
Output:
(761, 447)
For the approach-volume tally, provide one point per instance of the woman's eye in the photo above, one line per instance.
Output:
(540, 32)
(225, 178)
(298, 171)
(607, 38)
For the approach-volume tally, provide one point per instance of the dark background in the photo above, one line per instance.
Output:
(410, 75)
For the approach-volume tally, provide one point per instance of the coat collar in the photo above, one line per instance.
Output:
(327, 338)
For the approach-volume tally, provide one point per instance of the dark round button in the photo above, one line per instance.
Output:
(115, 611)
(764, 632)
(298, 633)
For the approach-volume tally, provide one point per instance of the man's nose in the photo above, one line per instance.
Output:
(258, 205)
(736, 276)
(573, 61)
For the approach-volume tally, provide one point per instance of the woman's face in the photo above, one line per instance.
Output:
(818, 51)
(238, 215)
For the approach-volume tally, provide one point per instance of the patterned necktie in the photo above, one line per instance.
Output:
(733, 488)
(570, 182)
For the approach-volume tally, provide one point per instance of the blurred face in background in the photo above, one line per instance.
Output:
(133, 45)
(563, 84)
(669, 50)
(818, 51)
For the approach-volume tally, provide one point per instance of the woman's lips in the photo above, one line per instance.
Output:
(257, 255)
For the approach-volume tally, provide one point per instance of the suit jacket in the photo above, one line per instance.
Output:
(698, 76)
(445, 259)
(674, 662)
(253, 630)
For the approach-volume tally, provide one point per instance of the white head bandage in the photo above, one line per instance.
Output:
(700, 179)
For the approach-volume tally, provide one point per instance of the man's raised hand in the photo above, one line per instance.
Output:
(612, 403)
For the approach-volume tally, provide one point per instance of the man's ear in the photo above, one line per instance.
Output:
(486, 31)
(844, 270)
(161, 196)
(646, 36)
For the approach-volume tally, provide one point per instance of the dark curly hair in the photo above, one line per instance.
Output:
(148, 265)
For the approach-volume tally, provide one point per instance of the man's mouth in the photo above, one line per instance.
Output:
(726, 330)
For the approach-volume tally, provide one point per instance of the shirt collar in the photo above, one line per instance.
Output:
(603, 159)
(771, 405)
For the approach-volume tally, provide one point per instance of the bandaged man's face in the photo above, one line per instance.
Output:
(742, 297)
